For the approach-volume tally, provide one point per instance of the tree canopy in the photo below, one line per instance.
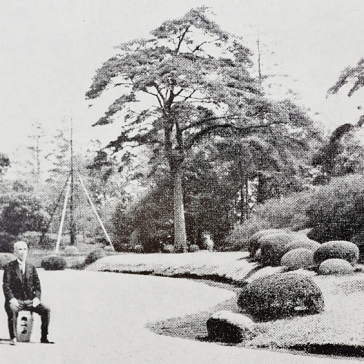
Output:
(188, 81)
(353, 76)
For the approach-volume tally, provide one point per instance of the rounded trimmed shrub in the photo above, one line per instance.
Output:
(95, 255)
(53, 262)
(6, 258)
(193, 248)
(254, 241)
(335, 266)
(281, 295)
(298, 258)
(273, 247)
(339, 249)
(303, 243)
(71, 250)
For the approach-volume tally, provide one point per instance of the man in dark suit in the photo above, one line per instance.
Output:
(22, 291)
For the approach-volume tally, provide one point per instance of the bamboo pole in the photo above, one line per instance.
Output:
(63, 216)
(94, 209)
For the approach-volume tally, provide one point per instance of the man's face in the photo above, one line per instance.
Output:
(21, 251)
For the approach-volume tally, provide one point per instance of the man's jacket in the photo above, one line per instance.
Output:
(18, 285)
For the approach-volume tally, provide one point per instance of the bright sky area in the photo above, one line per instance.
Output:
(51, 49)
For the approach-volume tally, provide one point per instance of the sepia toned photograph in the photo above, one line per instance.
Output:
(182, 182)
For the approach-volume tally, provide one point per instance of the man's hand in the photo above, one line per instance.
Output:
(36, 302)
(14, 304)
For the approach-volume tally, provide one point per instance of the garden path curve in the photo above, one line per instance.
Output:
(101, 317)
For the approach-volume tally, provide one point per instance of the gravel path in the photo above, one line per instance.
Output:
(100, 318)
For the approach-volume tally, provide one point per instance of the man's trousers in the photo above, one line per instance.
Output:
(42, 310)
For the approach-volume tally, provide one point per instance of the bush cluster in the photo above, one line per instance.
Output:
(94, 256)
(337, 249)
(281, 295)
(254, 241)
(54, 262)
(273, 247)
(332, 212)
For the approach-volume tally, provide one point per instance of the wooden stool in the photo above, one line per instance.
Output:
(24, 326)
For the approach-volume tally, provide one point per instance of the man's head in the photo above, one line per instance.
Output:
(21, 250)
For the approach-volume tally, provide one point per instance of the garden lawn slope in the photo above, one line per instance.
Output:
(226, 267)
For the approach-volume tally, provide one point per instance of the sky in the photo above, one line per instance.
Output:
(49, 51)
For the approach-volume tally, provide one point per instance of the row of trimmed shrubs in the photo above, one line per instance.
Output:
(290, 293)
(276, 247)
(58, 262)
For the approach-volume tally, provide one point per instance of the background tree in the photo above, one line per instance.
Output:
(21, 210)
(194, 79)
(342, 154)
(4, 163)
(352, 76)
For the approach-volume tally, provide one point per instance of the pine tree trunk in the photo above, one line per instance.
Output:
(180, 240)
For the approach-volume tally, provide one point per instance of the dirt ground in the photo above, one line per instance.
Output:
(101, 318)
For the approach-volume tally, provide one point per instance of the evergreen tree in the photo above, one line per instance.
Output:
(193, 79)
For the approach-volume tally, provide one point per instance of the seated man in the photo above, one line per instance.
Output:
(22, 291)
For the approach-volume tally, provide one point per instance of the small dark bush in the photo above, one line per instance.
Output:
(337, 249)
(53, 262)
(6, 258)
(273, 247)
(298, 258)
(281, 295)
(7, 242)
(335, 266)
(94, 255)
(254, 241)
(193, 248)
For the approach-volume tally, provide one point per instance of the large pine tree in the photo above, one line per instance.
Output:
(190, 80)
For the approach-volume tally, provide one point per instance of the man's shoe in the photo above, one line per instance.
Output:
(13, 341)
(46, 341)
